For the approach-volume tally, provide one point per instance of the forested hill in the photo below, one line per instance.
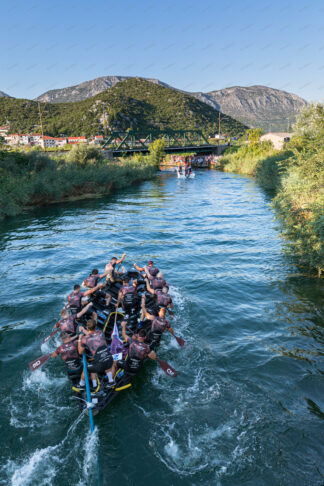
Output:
(132, 104)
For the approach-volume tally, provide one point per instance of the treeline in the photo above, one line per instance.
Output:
(33, 179)
(296, 177)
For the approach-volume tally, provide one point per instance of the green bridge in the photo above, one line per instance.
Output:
(175, 141)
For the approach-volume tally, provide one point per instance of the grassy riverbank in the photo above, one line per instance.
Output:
(35, 179)
(297, 178)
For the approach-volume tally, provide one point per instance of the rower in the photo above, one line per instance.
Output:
(75, 298)
(93, 279)
(153, 271)
(69, 353)
(94, 343)
(137, 352)
(68, 322)
(159, 325)
(157, 282)
(163, 298)
(128, 295)
(111, 275)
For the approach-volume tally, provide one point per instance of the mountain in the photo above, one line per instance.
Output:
(132, 104)
(257, 106)
(87, 89)
(4, 95)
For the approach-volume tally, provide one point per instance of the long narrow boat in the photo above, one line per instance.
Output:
(101, 397)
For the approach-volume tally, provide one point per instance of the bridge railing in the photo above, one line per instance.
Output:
(136, 140)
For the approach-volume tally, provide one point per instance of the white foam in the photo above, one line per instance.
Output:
(32, 470)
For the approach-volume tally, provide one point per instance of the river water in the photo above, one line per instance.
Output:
(247, 407)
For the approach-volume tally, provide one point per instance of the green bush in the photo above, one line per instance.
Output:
(33, 178)
(297, 177)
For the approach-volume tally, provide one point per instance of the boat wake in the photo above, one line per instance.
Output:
(43, 404)
(46, 464)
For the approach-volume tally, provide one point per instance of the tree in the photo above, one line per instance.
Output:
(156, 150)
(83, 155)
(254, 134)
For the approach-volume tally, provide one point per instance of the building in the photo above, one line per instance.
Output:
(35, 139)
(4, 130)
(74, 140)
(47, 142)
(12, 139)
(60, 141)
(278, 139)
(24, 139)
(98, 139)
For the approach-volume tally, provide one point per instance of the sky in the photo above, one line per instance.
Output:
(192, 45)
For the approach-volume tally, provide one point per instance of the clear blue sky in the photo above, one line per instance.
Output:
(192, 45)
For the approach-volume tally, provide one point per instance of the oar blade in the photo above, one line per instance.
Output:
(180, 341)
(50, 336)
(37, 363)
(168, 370)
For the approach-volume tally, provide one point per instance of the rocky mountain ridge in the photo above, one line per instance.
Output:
(255, 106)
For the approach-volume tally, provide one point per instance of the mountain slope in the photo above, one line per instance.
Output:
(86, 90)
(4, 95)
(257, 106)
(132, 104)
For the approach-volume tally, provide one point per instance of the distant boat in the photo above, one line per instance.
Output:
(183, 175)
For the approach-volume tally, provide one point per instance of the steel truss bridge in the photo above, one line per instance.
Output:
(175, 141)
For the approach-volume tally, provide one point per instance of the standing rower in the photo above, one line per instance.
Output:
(113, 276)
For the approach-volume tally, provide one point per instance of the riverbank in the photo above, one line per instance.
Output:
(296, 178)
(35, 179)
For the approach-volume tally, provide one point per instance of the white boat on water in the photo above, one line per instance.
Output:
(183, 175)
(189, 176)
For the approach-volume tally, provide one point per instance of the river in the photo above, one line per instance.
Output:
(247, 405)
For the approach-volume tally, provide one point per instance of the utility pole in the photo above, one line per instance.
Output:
(219, 125)
(41, 124)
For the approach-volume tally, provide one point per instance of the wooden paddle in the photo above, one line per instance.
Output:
(168, 370)
(37, 363)
(50, 336)
(180, 341)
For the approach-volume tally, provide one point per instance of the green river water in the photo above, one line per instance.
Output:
(247, 407)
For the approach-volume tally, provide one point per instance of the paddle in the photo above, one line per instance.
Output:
(180, 341)
(171, 314)
(50, 336)
(168, 370)
(34, 365)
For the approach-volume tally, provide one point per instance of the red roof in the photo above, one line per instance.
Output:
(76, 138)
